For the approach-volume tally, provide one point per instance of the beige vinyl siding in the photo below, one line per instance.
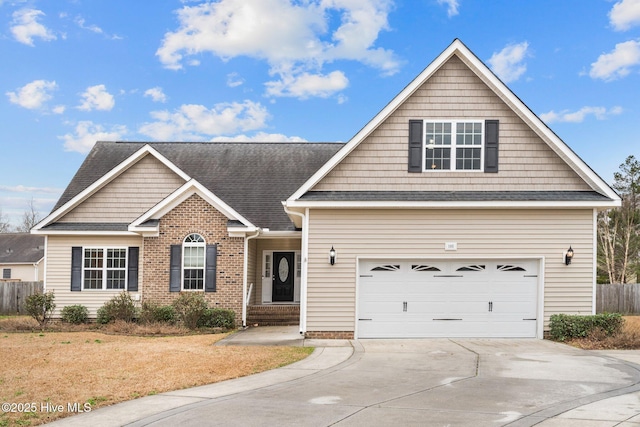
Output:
(285, 244)
(58, 272)
(128, 196)
(24, 272)
(454, 92)
(419, 233)
(253, 265)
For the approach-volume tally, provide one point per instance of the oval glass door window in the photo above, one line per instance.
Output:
(283, 269)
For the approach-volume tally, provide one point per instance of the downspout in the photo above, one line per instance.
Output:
(245, 277)
(304, 255)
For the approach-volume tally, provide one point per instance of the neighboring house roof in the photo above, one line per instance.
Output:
(21, 248)
(501, 90)
(250, 178)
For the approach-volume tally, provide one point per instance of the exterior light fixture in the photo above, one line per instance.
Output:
(332, 256)
(568, 256)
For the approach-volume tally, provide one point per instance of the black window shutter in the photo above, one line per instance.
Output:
(76, 269)
(132, 269)
(210, 268)
(175, 265)
(415, 146)
(491, 146)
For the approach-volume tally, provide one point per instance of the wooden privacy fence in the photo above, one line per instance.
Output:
(13, 294)
(618, 298)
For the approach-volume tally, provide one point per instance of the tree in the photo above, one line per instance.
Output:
(619, 229)
(30, 218)
(5, 227)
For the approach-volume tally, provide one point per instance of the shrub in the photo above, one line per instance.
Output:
(218, 318)
(190, 306)
(152, 312)
(75, 314)
(564, 327)
(120, 307)
(40, 306)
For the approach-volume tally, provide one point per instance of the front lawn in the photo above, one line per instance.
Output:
(49, 369)
(627, 339)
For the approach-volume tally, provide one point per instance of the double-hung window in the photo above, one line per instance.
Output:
(104, 268)
(193, 262)
(453, 145)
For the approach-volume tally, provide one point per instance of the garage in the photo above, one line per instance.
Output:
(445, 298)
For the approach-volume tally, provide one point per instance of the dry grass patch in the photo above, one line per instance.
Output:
(102, 369)
(628, 339)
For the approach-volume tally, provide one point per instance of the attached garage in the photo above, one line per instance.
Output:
(445, 298)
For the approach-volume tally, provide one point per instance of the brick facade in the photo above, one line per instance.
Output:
(194, 215)
(331, 335)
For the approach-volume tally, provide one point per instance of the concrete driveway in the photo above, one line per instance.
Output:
(434, 382)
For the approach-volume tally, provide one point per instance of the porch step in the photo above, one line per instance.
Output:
(273, 315)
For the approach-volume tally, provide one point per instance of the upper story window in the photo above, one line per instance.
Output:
(193, 262)
(453, 145)
(6, 273)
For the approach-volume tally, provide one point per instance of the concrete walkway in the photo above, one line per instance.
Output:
(465, 382)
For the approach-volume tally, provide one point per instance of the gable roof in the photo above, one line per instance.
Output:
(249, 179)
(19, 248)
(458, 49)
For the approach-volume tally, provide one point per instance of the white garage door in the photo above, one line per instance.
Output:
(479, 298)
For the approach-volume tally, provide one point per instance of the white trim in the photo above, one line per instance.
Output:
(187, 190)
(108, 177)
(185, 245)
(595, 261)
(105, 269)
(245, 276)
(46, 262)
(85, 233)
(448, 204)
(485, 74)
(540, 262)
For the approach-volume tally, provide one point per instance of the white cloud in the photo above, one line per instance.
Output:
(87, 133)
(306, 85)
(25, 26)
(59, 109)
(611, 66)
(625, 14)
(93, 28)
(234, 80)
(156, 94)
(600, 113)
(97, 98)
(452, 7)
(25, 189)
(293, 37)
(508, 63)
(259, 137)
(33, 95)
(197, 122)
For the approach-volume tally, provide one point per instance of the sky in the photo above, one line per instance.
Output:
(77, 71)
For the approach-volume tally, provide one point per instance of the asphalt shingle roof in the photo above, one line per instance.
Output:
(21, 247)
(252, 178)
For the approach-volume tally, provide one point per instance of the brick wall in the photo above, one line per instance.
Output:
(194, 215)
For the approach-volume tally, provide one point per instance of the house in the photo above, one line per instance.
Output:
(455, 212)
(21, 257)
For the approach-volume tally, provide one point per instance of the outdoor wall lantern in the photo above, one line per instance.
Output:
(332, 256)
(568, 256)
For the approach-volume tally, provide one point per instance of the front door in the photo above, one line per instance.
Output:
(283, 264)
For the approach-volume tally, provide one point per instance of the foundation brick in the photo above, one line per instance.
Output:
(332, 335)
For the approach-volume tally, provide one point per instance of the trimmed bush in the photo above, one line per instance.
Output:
(190, 307)
(218, 318)
(75, 314)
(152, 312)
(40, 306)
(120, 307)
(564, 326)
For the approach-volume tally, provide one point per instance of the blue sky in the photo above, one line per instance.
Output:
(77, 71)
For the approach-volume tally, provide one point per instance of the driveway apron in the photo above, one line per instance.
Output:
(434, 382)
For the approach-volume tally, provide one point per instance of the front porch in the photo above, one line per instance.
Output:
(273, 315)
